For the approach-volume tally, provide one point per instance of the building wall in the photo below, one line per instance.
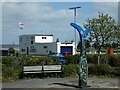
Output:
(59, 44)
(43, 39)
(34, 44)
(43, 48)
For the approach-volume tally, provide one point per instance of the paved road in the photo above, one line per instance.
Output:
(93, 82)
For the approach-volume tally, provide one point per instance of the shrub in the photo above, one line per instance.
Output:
(55, 60)
(103, 59)
(73, 59)
(11, 72)
(70, 70)
(116, 71)
(109, 65)
(114, 60)
(31, 61)
(102, 69)
(9, 61)
(92, 58)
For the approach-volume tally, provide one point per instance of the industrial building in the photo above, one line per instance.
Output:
(41, 44)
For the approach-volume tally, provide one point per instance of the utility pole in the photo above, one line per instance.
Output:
(75, 15)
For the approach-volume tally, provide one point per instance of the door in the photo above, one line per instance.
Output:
(67, 49)
(27, 50)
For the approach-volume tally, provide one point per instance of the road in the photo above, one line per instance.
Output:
(70, 82)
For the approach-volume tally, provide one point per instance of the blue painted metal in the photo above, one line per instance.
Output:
(66, 49)
(83, 67)
(84, 33)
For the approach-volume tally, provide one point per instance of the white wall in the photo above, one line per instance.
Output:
(43, 39)
(65, 44)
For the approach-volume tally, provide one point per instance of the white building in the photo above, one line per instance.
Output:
(40, 44)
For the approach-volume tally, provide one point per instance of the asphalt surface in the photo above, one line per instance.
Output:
(70, 82)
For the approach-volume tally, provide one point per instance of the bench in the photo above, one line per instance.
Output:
(42, 69)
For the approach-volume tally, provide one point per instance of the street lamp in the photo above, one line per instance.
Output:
(75, 14)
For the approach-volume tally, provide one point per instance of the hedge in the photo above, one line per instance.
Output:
(70, 70)
(109, 65)
(112, 60)
(102, 69)
(72, 59)
(12, 67)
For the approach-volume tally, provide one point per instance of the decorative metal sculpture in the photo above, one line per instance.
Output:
(83, 67)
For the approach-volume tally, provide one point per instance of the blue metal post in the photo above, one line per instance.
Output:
(83, 67)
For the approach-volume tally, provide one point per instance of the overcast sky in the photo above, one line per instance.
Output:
(49, 18)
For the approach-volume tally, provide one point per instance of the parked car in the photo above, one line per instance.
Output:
(60, 56)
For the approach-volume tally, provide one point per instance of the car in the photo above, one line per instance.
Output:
(60, 56)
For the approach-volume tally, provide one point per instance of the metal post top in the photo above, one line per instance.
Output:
(75, 7)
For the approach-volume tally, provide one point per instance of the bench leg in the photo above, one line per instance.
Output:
(43, 75)
(21, 76)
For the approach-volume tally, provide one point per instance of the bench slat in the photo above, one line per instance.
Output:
(32, 68)
(51, 71)
(52, 67)
(32, 72)
(38, 69)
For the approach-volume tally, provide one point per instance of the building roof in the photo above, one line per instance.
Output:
(37, 35)
(7, 46)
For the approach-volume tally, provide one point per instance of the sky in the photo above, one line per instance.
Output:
(49, 18)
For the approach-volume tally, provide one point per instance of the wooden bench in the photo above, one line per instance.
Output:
(42, 69)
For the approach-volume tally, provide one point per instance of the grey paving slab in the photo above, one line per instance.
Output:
(70, 82)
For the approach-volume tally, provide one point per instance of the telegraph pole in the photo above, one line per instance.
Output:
(75, 15)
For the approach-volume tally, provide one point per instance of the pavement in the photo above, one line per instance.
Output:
(69, 82)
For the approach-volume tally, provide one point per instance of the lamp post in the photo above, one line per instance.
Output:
(75, 14)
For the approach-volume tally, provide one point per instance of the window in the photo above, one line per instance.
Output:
(31, 42)
(32, 47)
(20, 39)
(45, 46)
(22, 50)
(33, 50)
(43, 37)
(32, 37)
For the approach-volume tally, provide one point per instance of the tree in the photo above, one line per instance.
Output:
(104, 30)
(11, 49)
(117, 37)
(57, 40)
(87, 44)
(114, 45)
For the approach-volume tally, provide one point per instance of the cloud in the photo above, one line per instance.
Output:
(37, 17)
(44, 17)
(110, 8)
(34, 11)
